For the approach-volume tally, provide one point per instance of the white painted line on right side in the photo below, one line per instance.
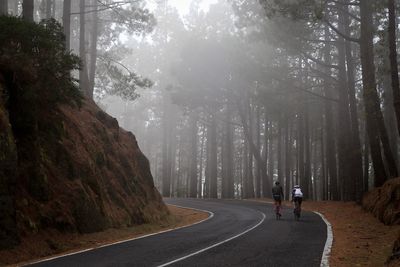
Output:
(328, 243)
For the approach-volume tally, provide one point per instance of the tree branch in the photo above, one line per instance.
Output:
(346, 37)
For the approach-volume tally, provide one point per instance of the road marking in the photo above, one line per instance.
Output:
(215, 245)
(127, 240)
(328, 243)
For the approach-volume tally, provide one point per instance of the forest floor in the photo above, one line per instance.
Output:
(359, 239)
(49, 244)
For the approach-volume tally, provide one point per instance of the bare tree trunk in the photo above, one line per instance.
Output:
(3, 7)
(27, 10)
(346, 181)
(166, 164)
(193, 154)
(246, 171)
(356, 155)
(266, 190)
(93, 50)
(279, 151)
(49, 4)
(324, 179)
(83, 74)
(393, 60)
(212, 158)
(271, 161)
(288, 155)
(15, 7)
(67, 23)
(227, 163)
(306, 183)
(375, 125)
(202, 148)
(249, 137)
(366, 164)
(258, 138)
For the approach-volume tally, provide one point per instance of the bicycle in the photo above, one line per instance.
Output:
(277, 210)
(278, 207)
(297, 210)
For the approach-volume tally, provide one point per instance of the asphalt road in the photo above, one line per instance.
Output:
(240, 233)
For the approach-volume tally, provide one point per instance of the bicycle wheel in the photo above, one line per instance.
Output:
(277, 213)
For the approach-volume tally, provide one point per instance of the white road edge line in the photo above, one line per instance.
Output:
(127, 240)
(216, 244)
(328, 243)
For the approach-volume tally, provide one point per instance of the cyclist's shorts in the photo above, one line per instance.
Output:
(277, 197)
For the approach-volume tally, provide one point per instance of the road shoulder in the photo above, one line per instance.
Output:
(51, 243)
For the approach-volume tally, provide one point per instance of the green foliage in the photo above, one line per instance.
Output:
(35, 55)
(116, 79)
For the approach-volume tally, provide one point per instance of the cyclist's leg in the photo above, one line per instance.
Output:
(300, 200)
(279, 207)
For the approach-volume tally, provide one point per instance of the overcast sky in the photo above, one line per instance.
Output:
(183, 5)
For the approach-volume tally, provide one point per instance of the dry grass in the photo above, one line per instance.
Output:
(359, 238)
(53, 243)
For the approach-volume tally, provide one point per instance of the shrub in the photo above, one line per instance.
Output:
(36, 65)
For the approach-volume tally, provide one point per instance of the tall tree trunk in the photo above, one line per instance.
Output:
(300, 151)
(49, 4)
(252, 148)
(366, 164)
(193, 154)
(67, 23)
(83, 74)
(212, 158)
(271, 162)
(288, 155)
(258, 138)
(390, 115)
(346, 181)
(376, 129)
(202, 148)
(172, 148)
(249, 137)
(15, 7)
(329, 127)
(306, 182)
(3, 7)
(27, 10)
(245, 168)
(356, 153)
(166, 165)
(279, 157)
(227, 163)
(93, 50)
(393, 60)
(324, 180)
(266, 190)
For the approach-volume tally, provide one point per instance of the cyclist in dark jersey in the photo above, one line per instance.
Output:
(277, 194)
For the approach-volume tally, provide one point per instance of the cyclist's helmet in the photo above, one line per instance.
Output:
(297, 186)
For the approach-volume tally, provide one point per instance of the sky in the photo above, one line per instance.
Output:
(183, 5)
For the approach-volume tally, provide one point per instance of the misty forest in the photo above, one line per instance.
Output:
(216, 99)
(304, 92)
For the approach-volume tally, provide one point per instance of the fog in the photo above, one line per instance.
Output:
(226, 97)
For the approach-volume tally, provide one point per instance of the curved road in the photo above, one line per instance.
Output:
(240, 233)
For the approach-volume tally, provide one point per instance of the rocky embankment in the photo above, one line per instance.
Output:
(384, 203)
(89, 175)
